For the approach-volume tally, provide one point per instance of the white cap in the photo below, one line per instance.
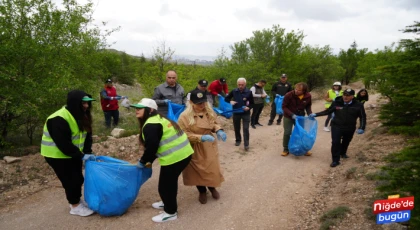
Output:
(337, 83)
(146, 102)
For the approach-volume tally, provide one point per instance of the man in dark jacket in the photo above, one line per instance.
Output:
(202, 85)
(241, 97)
(346, 111)
(295, 103)
(281, 88)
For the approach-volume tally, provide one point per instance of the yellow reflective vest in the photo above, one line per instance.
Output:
(172, 148)
(332, 95)
(48, 147)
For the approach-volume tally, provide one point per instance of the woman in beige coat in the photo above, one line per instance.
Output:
(198, 121)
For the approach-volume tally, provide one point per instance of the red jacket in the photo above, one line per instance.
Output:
(106, 102)
(293, 105)
(216, 87)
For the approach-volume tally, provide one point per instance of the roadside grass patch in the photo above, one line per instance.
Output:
(332, 217)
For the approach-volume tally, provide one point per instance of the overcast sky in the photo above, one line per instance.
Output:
(202, 28)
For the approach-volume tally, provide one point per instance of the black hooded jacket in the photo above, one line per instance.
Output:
(60, 131)
(346, 115)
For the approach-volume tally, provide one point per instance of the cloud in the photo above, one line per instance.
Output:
(324, 10)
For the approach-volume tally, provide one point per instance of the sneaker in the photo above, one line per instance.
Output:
(158, 205)
(334, 164)
(163, 217)
(253, 126)
(237, 143)
(344, 156)
(278, 122)
(259, 124)
(81, 210)
(285, 153)
(326, 129)
(246, 148)
(308, 153)
(270, 123)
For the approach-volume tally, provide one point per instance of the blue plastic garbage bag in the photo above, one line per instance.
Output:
(279, 102)
(112, 185)
(174, 110)
(303, 136)
(225, 107)
(267, 99)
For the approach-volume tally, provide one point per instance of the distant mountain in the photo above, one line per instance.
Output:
(182, 59)
(191, 59)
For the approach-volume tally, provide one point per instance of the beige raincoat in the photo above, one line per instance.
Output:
(204, 168)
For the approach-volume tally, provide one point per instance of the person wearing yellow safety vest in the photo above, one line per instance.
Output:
(329, 97)
(66, 142)
(163, 139)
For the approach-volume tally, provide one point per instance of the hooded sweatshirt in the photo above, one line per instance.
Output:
(59, 129)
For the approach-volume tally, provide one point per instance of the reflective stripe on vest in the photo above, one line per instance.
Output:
(48, 146)
(172, 148)
(332, 96)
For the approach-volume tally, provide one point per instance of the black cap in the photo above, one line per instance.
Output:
(222, 80)
(108, 80)
(284, 75)
(203, 82)
(198, 96)
(348, 92)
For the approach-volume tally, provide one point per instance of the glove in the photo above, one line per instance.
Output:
(117, 98)
(167, 101)
(207, 137)
(312, 115)
(140, 165)
(89, 157)
(360, 131)
(294, 116)
(221, 135)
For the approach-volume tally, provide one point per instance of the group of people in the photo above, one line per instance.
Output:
(189, 146)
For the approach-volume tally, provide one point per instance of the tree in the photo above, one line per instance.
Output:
(44, 53)
(163, 55)
(349, 61)
(319, 66)
(402, 115)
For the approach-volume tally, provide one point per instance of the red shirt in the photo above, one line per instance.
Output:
(216, 87)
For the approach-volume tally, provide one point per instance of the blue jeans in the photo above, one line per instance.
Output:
(115, 114)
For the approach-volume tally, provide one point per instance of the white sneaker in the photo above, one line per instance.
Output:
(158, 205)
(326, 129)
(163, 217)
(81, 210)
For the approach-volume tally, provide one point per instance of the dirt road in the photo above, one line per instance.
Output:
(262, 190)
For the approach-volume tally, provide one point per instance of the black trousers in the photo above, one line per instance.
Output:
(273, 113)
(340, 142)
(245, 117)
(168, 184)
(69, 172)
(327, 121)
(203, 189)
(256, 112)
